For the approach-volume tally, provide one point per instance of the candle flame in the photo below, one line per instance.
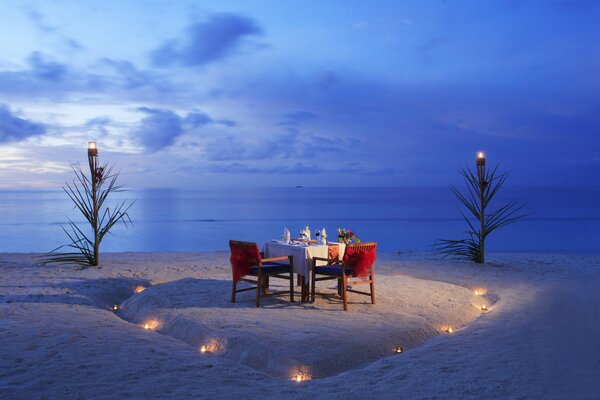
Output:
(300, 378)
(398, 350)
(449, 329)
(481, 154)
(151, 324)
(203, 349)
(115, 307)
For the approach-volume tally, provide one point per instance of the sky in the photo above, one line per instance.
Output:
(315, 93)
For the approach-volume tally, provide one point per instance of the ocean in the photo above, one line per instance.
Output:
(560, 220)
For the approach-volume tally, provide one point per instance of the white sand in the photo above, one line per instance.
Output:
(541, 338)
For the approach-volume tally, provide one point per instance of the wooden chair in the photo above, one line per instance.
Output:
(246, 260)
(358, 262)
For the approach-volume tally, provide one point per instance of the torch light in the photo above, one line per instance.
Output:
(480, 158)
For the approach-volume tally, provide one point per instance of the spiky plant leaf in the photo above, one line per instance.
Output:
(80, 191)
(478, 196)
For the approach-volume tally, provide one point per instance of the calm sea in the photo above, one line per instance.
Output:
(399, 219)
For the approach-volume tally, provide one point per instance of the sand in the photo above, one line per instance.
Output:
(540, 337)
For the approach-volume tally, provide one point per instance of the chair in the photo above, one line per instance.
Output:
(246, 260)
(357, 262)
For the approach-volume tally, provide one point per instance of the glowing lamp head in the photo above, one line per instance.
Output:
(115, 307)
(92, 149)
(398, 350)
(481, 158)
(139, 289)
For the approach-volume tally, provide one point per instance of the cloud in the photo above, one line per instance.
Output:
(40, 23)
(16, 129)
(46, 70)
(206, 41)
(99, 125)
(67, 44)
(161, 127)
(158, 129)
(295, 117)
(130, 77)
(291, 145)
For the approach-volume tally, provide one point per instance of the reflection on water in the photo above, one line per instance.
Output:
(399, 219)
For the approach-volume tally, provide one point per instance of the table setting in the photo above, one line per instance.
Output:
(304, 248)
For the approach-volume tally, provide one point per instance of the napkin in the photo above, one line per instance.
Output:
(323, 236)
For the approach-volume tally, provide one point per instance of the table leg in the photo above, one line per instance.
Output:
(305, 290)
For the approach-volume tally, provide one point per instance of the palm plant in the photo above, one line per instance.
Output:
(89, 195)
(481, 189)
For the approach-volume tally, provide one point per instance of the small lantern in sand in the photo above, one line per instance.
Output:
(139, 289)
(398, 350)
(115, 307)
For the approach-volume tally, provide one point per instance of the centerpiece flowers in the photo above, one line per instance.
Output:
(347, 236)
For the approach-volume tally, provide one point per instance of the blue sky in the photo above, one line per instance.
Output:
(276, 93)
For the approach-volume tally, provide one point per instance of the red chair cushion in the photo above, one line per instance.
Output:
(360, 260)
(333, 252)
(243, 258)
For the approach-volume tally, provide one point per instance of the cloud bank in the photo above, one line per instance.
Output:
(207, 41)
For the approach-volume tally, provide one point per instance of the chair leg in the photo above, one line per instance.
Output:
(372, 284)
(291, 287)
(340, 284)
(312, 286)
(291, 260)
(345, 292)
(259, 285)
(265, 289)
(233, 289)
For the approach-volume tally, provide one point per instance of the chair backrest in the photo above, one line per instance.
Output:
(244, 255)
(360, 257)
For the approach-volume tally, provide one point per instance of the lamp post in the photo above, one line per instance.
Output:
(96, 176)
(480, 163)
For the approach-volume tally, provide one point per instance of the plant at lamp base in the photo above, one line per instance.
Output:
(481, 188)
(89, 195)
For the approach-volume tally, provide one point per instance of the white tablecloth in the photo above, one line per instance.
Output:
(302, 254)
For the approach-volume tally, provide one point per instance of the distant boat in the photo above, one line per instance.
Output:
(299, 186)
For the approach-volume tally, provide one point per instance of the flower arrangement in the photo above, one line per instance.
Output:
(347, 236)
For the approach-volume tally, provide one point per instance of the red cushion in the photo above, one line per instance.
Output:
(359, 259)
(333, 252)
(243, 257)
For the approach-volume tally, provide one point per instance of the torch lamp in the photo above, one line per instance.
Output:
(96, 176)
(480, 163)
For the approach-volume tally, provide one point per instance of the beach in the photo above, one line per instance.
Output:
(539, 338)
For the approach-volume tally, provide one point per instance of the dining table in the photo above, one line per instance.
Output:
(303, 253)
